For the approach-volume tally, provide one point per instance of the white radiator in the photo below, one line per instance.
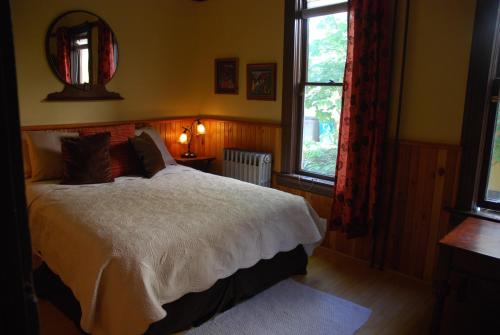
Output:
(252, 167)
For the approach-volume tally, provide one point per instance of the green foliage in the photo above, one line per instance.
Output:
(327, 51)
(326, 61)
(496, 144)
(327, 48)
(319, 159)
(324, 100)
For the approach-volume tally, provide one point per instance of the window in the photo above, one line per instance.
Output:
(489, 189)
(80, 59)
(315, 56)
(478, 191)
(326, 46)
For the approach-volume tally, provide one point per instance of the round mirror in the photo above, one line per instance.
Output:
(82, 49)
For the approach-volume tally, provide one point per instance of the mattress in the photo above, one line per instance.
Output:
(193, 308)
(127, 248)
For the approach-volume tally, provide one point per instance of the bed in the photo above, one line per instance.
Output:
(136, 254)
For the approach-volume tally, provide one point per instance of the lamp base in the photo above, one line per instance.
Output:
(188, 154)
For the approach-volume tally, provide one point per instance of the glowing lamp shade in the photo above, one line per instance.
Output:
(200, 128)
(187, 136)
(183, 138)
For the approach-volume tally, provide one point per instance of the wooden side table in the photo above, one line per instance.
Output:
(467, 281)
(201, 163)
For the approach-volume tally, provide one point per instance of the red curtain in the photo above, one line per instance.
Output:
(363, 118)
(64, 54)
(106, 54)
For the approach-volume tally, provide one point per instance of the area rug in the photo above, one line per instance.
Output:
(288, 308)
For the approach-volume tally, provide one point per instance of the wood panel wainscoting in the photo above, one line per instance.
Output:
(426, 180)
(425, 184)
(220, 134)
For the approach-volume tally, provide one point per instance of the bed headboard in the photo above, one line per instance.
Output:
(78, 126)
(220, 133)
(169, 130)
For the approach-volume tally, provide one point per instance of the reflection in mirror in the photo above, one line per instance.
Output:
(82, 49)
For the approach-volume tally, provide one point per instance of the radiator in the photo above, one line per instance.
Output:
(252, 167)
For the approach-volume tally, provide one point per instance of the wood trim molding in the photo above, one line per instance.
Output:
(275, 124)
(445, 146)
(269, 123)
(304, 183)
(96, 124)
(291, 90)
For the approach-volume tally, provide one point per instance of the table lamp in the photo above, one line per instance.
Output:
(187, 136)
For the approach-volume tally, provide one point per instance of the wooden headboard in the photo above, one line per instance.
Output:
(220, 133)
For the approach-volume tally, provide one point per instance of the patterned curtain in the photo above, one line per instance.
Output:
(363, 119)
(64, 54)
(106, 54)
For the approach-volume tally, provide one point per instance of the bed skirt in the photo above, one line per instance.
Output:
(193, 308)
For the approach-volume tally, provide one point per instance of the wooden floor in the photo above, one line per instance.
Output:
(400, 305)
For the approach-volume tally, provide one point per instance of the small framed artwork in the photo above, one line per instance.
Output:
(261, 81)
(226, 75)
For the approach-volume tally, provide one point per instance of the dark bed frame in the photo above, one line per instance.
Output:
(193, 308)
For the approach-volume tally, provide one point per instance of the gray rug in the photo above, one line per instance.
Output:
(288, 308)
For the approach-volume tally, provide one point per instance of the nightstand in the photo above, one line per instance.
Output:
(201, 163)
(467, 280)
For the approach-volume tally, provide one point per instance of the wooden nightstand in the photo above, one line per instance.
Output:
(467, 281)
(201, 163)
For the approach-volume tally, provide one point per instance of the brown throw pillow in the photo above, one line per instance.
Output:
(123, 160)
(86, 159)
(148, 153)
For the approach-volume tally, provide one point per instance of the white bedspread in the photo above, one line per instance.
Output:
(128, 247)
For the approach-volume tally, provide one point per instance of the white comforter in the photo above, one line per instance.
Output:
(128, 247)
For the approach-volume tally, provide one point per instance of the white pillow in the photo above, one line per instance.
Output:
(167, 157)
(45, 154)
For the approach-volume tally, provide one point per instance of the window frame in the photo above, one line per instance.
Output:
(490, 130)
(478, 125)
(84, 30)
(295, 83)
(77, 48)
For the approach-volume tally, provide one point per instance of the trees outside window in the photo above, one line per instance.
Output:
(323, 66)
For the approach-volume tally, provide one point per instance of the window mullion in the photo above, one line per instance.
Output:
(323, 84)
(489, 149)
(301, 98)
(308, 13)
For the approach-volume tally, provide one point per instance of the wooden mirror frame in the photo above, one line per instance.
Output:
(70, 92)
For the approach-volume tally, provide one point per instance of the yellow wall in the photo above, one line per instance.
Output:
(166, 54)
(157, 50)
(167, 49)
(440, 34)
(251, 30)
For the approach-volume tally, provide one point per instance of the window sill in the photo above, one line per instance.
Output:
(306, 183)
(458, 215)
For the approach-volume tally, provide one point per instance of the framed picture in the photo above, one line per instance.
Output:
(226, 75)
(261, 81)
